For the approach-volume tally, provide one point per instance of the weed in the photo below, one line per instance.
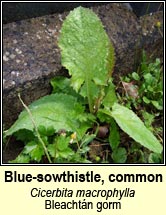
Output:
(143, 90)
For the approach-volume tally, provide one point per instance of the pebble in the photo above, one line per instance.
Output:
(14, 73)
(60, 17)
(13, 82)
(18, 51)
(12, 56)
(7, 53)
(144, 33)
(5, 58)
(18, 61)
(15, 41)
(39, 37)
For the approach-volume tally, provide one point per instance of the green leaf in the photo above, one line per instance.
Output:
(148, 119)
(103, 115)
(133, 126)
(87, 139)
(119, 155)
(29, 147)
(139, 157)
(34, 150)
(114, 137)
(135, 76)
(135, 147)
(22, 158)
(84, 150)
(59, 111)
(110, 97)
(86, 52)
(52, 150)
(154, 158)
(67, 154)
(62, 143)
(157, 105)
(62, 85)
(146, 100)
(37, 153)
(42, 130)
(24, 135)
(49, 131)
(148, 78)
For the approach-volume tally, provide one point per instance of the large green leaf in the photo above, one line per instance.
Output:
(132, 125)
(60, 111)
(86, 52)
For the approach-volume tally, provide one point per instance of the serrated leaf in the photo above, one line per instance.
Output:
(29, 147)
(133, 126)
(34, 150)
(110, 97)
(62, 143)
(59, 111)
(21, 159)
(49, 131)
(52, 149)
(24, 135)
(42, 130)
(119, 155)
(37, 153)
(61, 84)
(86, 52)
(65, 154)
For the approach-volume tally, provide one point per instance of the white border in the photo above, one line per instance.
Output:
(81, 164)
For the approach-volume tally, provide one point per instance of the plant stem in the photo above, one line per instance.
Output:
(35, 127)
(89, 95)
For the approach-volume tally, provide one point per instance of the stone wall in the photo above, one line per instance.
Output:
(31, 56)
